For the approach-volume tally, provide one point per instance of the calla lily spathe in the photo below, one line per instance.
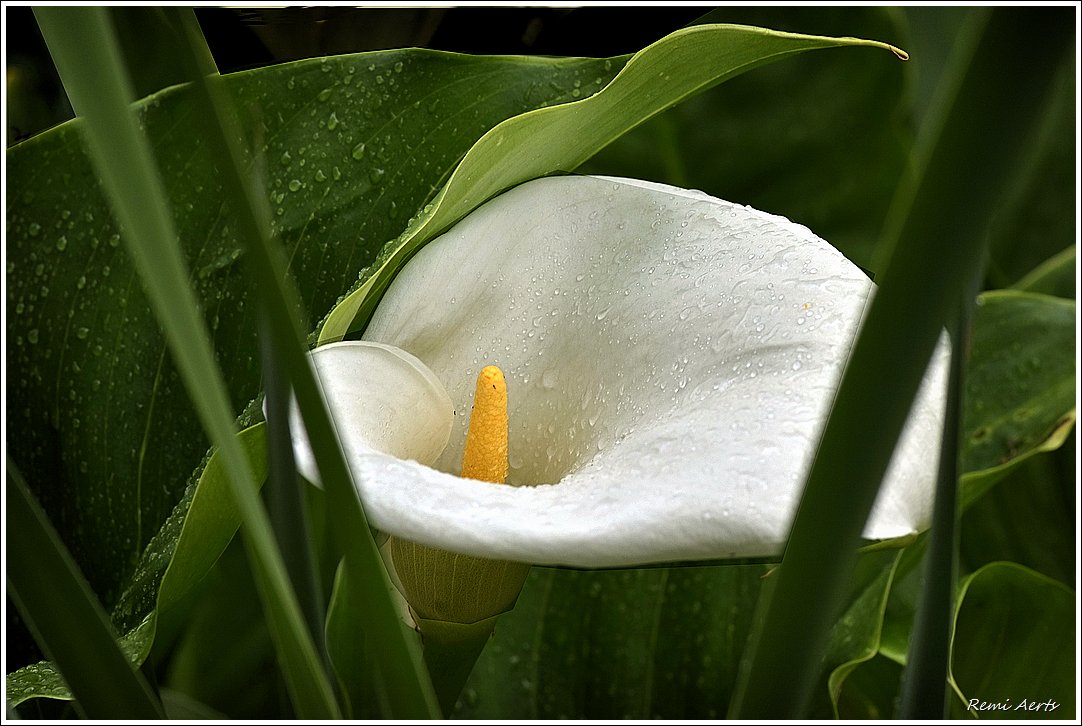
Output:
(670, 361)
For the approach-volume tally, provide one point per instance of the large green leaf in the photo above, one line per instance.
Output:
(1014, 645)
(65, 616)
(560, 139)
(241, 680)
(351, 147)
(1029, 517)
(648, 643)
(617, 644)
(1020, 384)
(176, 559)
(855, 638)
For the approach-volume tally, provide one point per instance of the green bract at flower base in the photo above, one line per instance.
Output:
(670, 359)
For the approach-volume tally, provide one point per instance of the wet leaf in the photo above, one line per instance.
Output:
(349, 147)
(1020, 384)
(1014, 646)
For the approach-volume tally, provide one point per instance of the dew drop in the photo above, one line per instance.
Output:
(34, 229)
(358, 151)
(62, 243)
(332, 122)
(32, 336)
(81, 333)
(294, 185)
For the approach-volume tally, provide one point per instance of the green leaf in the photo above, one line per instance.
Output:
(179, 707)
(616, 644)
(65, 617)
(855, 637)
(559, 139)
(189, 543)
(871, 691)
(1054, 276)
(100, 422)
(1020, 384)
(1014, 645)
(350, 652)
(647, 643)
(210, 522)
(242, 681)
(1029, 518)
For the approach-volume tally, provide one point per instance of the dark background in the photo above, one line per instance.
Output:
(249, 38)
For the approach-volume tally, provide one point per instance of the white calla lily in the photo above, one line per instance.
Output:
(670, 361)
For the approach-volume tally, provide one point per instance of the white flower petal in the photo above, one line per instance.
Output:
(670, 360)
(371, 390)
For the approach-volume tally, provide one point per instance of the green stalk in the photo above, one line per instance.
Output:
(924, 685)
(940, 224)
(286, 504)
(85, 50)
(408, 687)
(64, 615)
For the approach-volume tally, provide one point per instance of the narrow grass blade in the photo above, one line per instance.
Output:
(85, 50)
(66, 618)
(924, 685)
(940, 223)
(408, 686)
(285, 503)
